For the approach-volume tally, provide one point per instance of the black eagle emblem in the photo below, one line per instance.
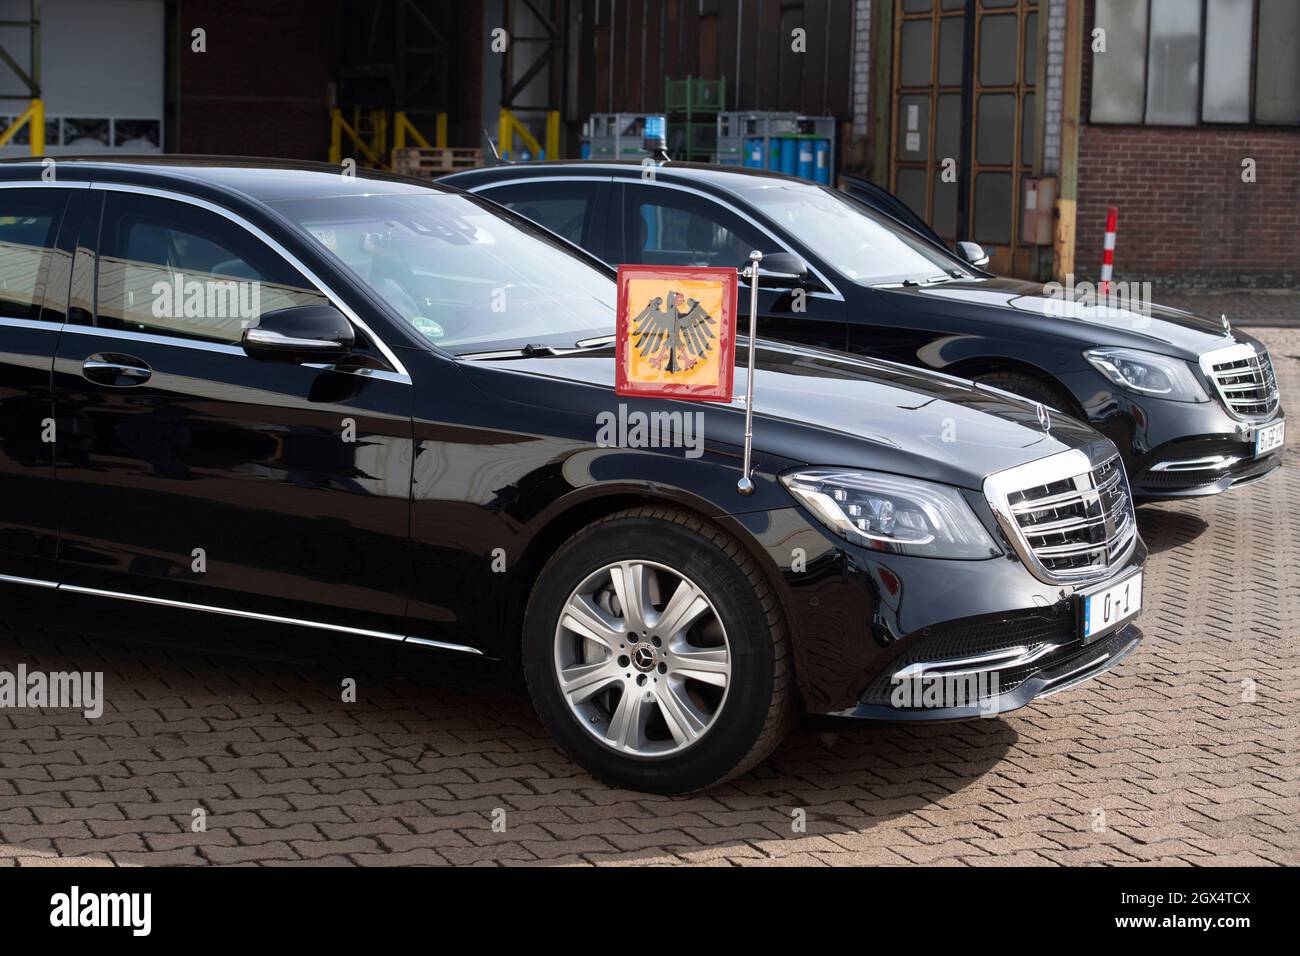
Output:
(670, 338)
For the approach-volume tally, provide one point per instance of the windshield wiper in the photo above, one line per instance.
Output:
(538, 350)
(532, 349)
(932, 280)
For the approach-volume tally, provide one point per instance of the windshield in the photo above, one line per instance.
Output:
(864, 245)
(468, 279)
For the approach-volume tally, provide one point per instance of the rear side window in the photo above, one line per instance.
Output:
(564, 208)
(669, 227)
(29, 224)
(171, 268)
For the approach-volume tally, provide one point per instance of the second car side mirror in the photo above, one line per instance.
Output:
(301, 334)
(782, 269)
(973, 253)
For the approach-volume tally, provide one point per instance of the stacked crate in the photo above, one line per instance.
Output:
(614, 136)
(791, 143)
(433, 162)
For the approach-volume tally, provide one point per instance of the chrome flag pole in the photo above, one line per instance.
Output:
(746, 484)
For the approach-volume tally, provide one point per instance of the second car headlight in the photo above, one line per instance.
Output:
(1148, 374)
(889, 513)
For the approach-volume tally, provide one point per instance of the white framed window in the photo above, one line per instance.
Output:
(1193, 62)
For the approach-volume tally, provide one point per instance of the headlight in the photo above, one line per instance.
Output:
(889, 513)
(1148, 374)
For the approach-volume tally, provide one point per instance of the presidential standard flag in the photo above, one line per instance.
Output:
(676, 332)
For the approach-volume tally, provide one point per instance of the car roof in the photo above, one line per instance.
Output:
(729, 178)
(265, 180)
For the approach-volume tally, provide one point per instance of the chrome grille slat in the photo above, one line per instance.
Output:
(1065, 550)
(1070, 520)
(1056, 527)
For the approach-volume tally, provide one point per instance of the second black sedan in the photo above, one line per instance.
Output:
(1192, 404)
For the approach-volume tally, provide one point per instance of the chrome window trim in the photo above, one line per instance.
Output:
(12, 323)
(999, 487)
(234, 612)
(42, 184)
(321, 287)
(155, 339)
(833, 294)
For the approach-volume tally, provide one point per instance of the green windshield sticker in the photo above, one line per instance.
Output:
(428, 327)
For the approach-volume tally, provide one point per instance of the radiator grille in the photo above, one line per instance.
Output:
(1244, 380)
(1069, 520)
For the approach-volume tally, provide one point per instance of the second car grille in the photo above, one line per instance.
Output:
(1069, 520)
(1244, 380)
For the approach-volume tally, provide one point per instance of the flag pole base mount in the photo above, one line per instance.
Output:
(745, 486)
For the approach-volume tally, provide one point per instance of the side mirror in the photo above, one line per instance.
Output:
(973, 253)
(782, 269)
(301, 334)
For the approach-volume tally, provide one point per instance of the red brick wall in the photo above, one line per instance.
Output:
(1182, 204)
(1183, 207)
(260, 89)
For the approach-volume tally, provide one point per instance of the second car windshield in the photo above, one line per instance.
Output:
(468, 279)
(860, 244)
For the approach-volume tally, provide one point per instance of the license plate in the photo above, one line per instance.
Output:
(1269, 437)
(1110, 607)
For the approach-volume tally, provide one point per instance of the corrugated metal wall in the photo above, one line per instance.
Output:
(636, 44)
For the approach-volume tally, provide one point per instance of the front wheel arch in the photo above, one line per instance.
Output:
(978, 368)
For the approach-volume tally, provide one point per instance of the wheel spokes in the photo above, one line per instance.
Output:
(687, 605)
(583, 617)
(710, 665)
(631, 585)
(685, 721)
(581, 682)
(627, 725)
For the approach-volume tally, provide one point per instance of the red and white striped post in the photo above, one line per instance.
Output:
(1108, 250)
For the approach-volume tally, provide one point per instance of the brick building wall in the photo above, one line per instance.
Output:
(260, 89)
(1183, 208)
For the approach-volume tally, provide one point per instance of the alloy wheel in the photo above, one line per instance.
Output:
(642, 659)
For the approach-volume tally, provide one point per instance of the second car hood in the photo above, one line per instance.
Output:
(1159, 329)
(826, 408)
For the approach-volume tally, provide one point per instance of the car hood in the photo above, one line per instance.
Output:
(825, 408)
(1159, 328)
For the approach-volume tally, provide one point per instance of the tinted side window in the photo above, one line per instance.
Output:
(170, 268)
(29, 224)
(668, 227)
(563, 208)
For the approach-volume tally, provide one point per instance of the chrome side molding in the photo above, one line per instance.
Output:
(235, 612)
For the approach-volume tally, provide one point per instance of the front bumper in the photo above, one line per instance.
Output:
(1202, 466)
(1016, 680)
(858, 617)
(1174, 449)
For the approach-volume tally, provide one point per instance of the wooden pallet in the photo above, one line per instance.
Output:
(430, 163)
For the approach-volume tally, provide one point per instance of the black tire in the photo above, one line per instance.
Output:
(757, 711)
(1034, 389)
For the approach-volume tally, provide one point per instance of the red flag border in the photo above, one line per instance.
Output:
(723, 391)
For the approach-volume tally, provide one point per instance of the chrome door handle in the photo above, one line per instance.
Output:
(119, 371)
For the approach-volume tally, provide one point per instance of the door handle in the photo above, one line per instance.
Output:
(119, 371)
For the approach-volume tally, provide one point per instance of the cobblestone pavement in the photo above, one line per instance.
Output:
(1273, 307)
(1188, 753)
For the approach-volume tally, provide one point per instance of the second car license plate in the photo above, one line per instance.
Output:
(1270, 436)
(1110, 607)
